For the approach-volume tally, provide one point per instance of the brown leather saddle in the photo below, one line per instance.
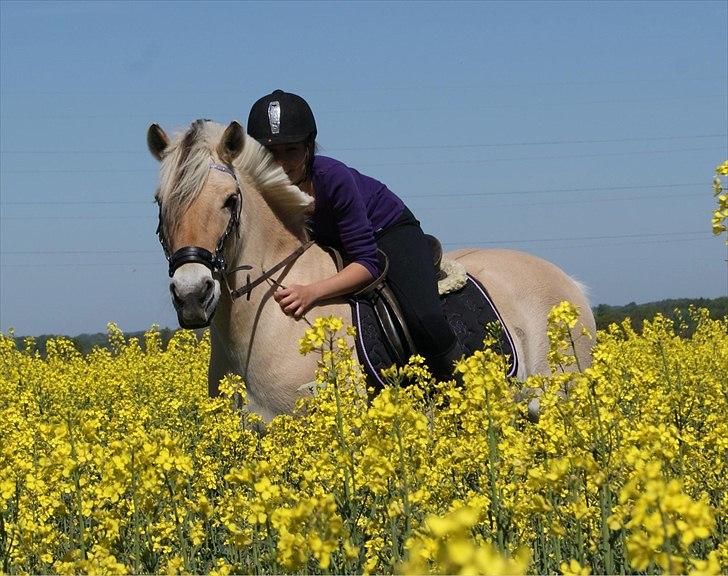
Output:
(388, 313)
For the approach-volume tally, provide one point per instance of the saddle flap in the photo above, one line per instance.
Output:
(468, 310)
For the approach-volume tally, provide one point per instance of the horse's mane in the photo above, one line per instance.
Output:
(186, 165)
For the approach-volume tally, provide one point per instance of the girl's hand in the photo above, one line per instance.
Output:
(296, 299)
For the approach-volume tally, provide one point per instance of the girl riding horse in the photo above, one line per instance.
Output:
(356, 214)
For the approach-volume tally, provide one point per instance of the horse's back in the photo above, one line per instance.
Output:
(524, 288)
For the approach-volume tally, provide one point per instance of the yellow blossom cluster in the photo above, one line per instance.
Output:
(118, 461)
(720, 214)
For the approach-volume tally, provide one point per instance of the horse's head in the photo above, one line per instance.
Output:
(199, 201)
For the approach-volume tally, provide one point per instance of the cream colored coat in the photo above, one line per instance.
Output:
(255, 338)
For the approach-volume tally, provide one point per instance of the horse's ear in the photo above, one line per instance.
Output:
(231, 145)
(157, 141)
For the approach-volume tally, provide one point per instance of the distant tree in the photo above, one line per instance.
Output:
(604, 315)
(676, 309)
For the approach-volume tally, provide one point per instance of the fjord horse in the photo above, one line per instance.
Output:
(232, 225)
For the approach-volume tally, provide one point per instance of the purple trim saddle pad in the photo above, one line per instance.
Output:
(468, 311)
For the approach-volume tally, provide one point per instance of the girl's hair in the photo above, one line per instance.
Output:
(312, 148)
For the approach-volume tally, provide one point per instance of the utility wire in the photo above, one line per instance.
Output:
(530, 158)
(453, 245)
(557, 190)
(422, 209)
(418, 163)
(409, 87)
(414, 147)
(461, 243)
(387, 110)
(604, 237)
(407, 196)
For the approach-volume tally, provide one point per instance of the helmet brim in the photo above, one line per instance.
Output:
(281, 139)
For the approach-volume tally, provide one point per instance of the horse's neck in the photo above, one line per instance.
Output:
(252, 337)
(265, 240)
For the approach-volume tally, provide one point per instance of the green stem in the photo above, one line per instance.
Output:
(77, 484)
(402, 469)
(605, 502)
(340, 427)
(668, 545)
(492, 480)
(573, 349)
(135, 512)
(180, 532)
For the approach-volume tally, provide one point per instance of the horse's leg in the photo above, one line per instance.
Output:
(218, 364)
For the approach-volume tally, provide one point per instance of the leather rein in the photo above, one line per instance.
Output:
(216, 262)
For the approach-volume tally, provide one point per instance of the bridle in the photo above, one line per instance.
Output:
(216, 262)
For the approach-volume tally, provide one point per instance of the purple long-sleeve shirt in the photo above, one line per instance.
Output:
(350, 209)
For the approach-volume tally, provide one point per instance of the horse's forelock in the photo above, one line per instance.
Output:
(185, 168)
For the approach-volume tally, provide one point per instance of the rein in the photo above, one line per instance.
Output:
(216, 262)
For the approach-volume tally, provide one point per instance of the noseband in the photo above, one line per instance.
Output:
(216, 262)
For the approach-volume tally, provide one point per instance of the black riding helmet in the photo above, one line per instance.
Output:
(281, 118)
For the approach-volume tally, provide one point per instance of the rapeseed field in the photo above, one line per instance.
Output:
(119, 462)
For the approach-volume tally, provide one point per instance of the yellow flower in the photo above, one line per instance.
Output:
(573, 568)
(118, 461)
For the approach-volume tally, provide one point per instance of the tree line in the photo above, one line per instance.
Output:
(675, 309)
(604, 314)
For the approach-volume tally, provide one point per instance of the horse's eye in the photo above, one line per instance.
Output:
(231, 202)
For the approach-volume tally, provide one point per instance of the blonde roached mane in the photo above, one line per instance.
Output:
(186, 165)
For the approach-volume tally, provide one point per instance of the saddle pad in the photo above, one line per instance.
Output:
(468, 311)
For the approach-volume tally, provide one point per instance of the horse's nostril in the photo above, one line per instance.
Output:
(207, 291)
(177, 300)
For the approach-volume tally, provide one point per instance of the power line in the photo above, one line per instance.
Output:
(74, 252)
(454, 245)
(529, 158)
(84, 171)
(75, 202)
(438, 208)
(562, 202)
(413, 147)
(86, 265)
(604, 237)
(532, 105)
(408, 196)
(603, 244)
(533, 143)
(390, 110)
(418, 163)
(469, 243)
(556, 190)
(409, 87)
(34, 217)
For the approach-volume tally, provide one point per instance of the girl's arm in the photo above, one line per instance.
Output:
(297, 299)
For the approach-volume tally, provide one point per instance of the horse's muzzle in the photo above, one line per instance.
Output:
(195, 295)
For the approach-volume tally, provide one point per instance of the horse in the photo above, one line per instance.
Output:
(228, 211)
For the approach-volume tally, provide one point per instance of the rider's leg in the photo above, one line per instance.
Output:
(412, 278)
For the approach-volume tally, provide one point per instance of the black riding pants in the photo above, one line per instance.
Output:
(412, 278)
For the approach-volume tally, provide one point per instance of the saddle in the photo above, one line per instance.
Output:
(396, 335)
(383, 337)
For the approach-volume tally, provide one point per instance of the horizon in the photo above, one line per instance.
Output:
(199, 331)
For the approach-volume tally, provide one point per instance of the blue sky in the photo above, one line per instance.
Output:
(584, 133)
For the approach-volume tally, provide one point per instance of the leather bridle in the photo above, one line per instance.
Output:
(216, 262)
